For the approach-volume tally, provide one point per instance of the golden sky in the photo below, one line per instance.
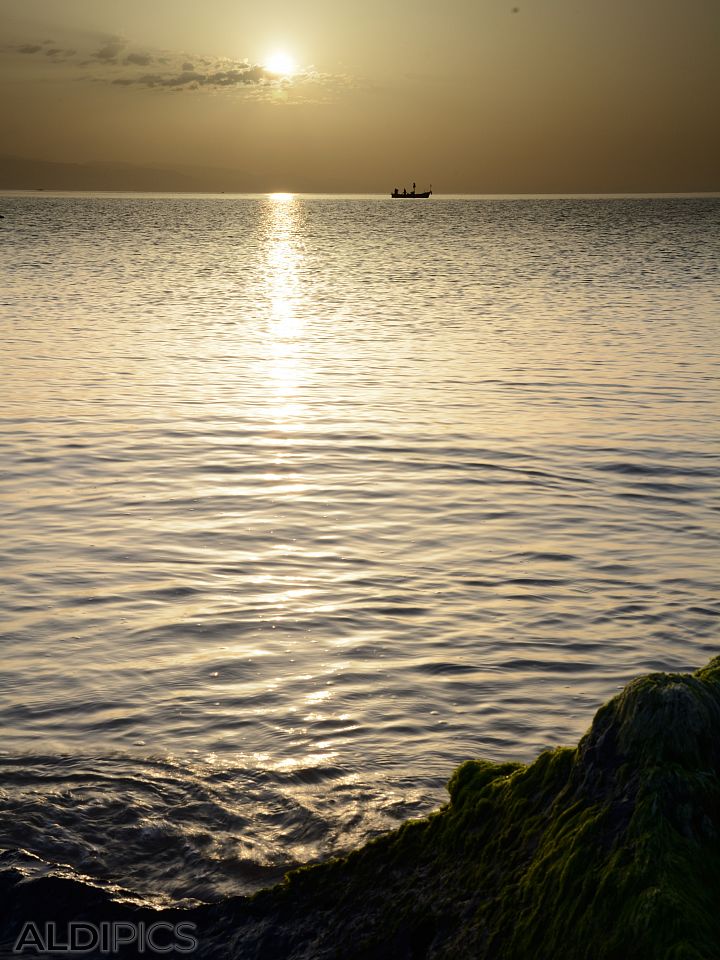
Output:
(483, 97)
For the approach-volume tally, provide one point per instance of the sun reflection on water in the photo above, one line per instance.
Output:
(283, 264)
(282, 260)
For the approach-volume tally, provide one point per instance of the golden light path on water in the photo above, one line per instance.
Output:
(286, 327)
(287, 377)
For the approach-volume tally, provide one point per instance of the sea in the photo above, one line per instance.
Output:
(304, 500)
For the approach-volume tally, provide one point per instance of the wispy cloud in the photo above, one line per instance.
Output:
(114, 61)
(47, 48)
(109, 51)
(139, 59)
(240, 75)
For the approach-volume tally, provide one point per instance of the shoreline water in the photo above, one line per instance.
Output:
(606, 850)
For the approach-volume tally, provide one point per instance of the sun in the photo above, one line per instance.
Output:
(281, 63)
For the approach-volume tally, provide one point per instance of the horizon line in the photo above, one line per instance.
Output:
(614, 194)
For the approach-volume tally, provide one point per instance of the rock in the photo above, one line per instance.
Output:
(610, 850)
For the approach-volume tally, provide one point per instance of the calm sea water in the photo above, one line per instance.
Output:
(306, 500)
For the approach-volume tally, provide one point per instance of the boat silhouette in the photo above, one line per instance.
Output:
(405, 195)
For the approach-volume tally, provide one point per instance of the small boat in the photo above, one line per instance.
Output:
(411, 195)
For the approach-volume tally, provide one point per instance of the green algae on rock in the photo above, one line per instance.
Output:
(608, 850)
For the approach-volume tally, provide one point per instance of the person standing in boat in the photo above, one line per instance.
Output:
(413, 193)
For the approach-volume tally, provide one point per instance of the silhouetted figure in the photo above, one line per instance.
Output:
(413, 193)
(404, 192)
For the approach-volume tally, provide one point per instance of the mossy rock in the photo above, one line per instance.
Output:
(608, 851)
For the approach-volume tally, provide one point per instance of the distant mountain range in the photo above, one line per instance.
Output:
(22, 173)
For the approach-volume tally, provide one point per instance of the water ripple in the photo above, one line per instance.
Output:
(305, 501)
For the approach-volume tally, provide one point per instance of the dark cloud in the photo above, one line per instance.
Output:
(54, 51)
(187, 78)
(29, 48)
(139, 59)
(188, 66)
(243, 76)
